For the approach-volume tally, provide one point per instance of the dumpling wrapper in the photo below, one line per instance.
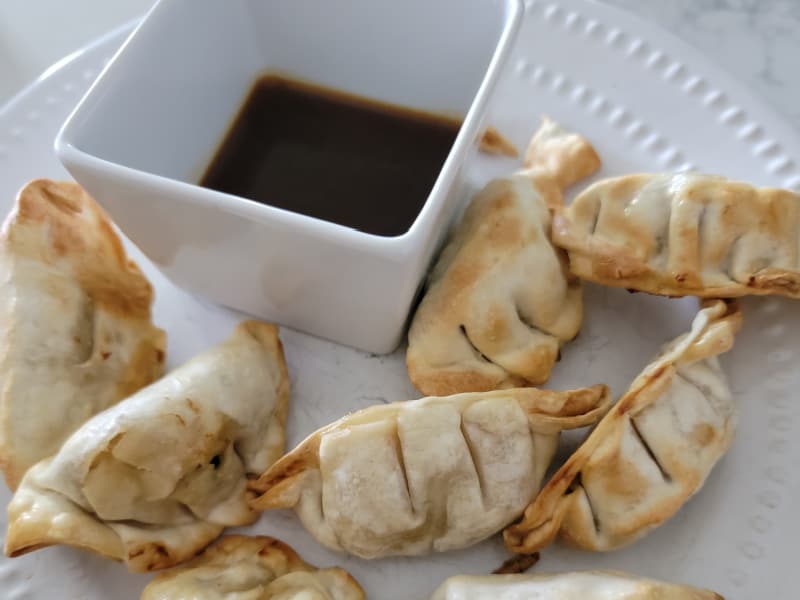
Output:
(684, 234)
(649, 454)
(494, 142)
(76, 334)
(586, 585)
(435, 474)
(238, 567)
(155, 478)
(500, 301)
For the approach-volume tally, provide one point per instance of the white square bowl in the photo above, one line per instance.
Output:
(142, 137)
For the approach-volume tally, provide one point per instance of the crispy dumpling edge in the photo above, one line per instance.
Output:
(265, 547)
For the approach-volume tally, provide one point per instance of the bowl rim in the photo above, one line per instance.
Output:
(72, 157)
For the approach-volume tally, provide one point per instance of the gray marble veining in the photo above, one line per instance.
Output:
(758, 41)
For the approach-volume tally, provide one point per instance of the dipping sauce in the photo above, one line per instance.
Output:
(331, 155)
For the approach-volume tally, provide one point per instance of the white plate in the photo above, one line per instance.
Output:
(649, 103)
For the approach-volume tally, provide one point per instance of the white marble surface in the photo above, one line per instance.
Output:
(756, 40)
(36, 33)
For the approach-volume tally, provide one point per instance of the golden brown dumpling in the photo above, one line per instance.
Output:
(684, 234)
(155, 478)
(76, 334)
(500, 301)
(649, 454)
(434, 474)
(494, 142)
(588, 585)
(238, 567)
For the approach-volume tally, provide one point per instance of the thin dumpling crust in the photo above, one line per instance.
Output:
(494, 142)
(155, 478)
(649, 454)
(258, 568)
(586, 585)
(435, 474)
(76, 334)
(684, 234)
(500, 301)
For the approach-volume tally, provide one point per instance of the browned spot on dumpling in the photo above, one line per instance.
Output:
(542, 357)
(703, 434)
(463, 276)
(504, 200)
(517, 564)
(62, 201)
(288, 471)
(615, 267)
(265, 549)
(497, 326)
(505, 233)
(494, 142)
(141, 369)
(583, 400)
(160, 557)
(445, 383)
(619, 478)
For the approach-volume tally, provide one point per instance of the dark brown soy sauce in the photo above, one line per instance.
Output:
(330, 155)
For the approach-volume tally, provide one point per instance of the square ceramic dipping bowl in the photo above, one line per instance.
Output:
(142, 137)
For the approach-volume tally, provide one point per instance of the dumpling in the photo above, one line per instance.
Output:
(684, 234)
(75, 329)
(494, 142)
(238, 567)
(587, 585)
(500, 301)
(155, 478)
(434, 474)
(649, 454)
